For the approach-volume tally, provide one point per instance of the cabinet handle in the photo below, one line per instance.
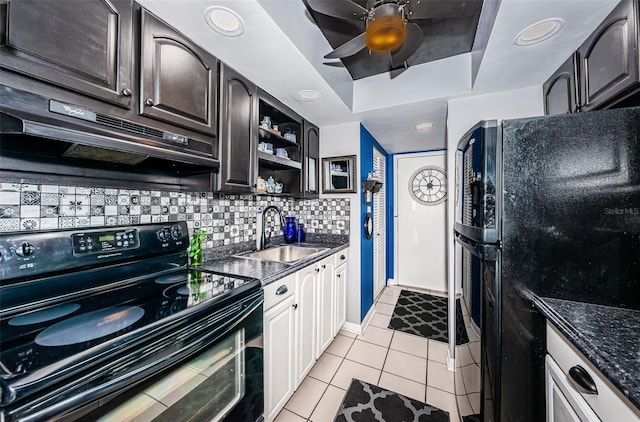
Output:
(149, 102)
(282, 290)
(342, 257)
(324, 266)
(583, 380)
(126, 92)
(317, 270)
(338, 276)
(295, 306)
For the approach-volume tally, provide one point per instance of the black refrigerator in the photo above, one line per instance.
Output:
(547, 206)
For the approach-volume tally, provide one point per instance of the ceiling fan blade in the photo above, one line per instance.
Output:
(441, 9)
(349, 48)
(394, 73)
(343, 9)
(411, 43)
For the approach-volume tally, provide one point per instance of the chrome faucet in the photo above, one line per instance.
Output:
(263, 239)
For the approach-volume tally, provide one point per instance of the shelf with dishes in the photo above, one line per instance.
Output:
(276, 162)
(274, 137)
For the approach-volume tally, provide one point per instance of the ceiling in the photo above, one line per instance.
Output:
(443, 37)
(282, 51)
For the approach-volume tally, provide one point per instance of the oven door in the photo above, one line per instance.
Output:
(216, 375)
(478, 215)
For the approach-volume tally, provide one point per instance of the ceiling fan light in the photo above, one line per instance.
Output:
(385, 33)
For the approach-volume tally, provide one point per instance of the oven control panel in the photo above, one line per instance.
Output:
(105, 241)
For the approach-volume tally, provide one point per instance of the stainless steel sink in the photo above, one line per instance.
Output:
(286, 254)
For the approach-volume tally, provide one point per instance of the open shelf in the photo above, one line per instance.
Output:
(275, 139)
(277, 163)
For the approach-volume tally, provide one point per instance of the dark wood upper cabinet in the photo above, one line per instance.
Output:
(238, 132)
(609, 58)
(81, 45)
(560, 94)
(311, 160)
(178, 78)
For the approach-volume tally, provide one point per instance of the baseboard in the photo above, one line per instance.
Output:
(358, 329)
(352, 327)
(391, 282)
(451, 362)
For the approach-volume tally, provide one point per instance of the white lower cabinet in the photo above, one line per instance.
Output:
(571, 400)
(305, 342)
(303, 313)
(325, 289)
(340, 299)
(279, 335)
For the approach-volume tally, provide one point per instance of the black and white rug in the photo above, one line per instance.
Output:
(366, 402)
(426, 315)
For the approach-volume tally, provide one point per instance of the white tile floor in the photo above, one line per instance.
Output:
(410, 365)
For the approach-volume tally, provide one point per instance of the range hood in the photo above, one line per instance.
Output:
(31, 125)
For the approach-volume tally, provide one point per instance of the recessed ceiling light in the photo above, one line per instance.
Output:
(224, 21)
(308, 95)
(424, 126)
(539, 31)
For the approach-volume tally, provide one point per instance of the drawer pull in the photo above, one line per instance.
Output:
(342, 257)
(583, 380)
(282, 290)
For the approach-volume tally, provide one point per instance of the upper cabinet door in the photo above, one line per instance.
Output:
(82, 45)
(178, 79)
(238, 131)
(560, 95)
(609, 58)
(311, 161)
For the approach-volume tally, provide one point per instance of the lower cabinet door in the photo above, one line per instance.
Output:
(279, 356)
(325, 303)
(340, 298)
(563, 403)
(305, 317)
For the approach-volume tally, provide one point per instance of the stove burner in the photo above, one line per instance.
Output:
(172, 278)
(178, 289)
(89, 326)
(44, 315)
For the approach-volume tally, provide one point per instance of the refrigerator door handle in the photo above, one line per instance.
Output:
(487, 252)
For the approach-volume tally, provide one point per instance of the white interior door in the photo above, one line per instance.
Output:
(379, 227)
(420, 221)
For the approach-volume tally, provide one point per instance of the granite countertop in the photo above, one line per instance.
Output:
(607, 336)
(267, 271)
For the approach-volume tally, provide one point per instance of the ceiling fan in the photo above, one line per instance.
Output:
(388, 26)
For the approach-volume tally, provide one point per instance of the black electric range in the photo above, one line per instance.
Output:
(86, 312)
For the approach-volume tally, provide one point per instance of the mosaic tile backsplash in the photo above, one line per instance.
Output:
(228, 219)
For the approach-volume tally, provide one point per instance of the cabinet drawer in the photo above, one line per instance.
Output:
(341, 257)
(609, 404)
(279, 290)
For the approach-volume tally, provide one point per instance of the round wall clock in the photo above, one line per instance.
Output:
(428, 185)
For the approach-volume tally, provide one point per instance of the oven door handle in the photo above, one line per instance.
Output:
(146, 361)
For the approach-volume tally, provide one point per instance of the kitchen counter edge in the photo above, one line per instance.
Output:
(278, 270)
(583, 325)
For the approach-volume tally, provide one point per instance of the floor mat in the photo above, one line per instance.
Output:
(426, 315)
(366, 402)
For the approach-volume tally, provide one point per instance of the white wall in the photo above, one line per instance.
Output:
(337, 140)
(463, 113)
